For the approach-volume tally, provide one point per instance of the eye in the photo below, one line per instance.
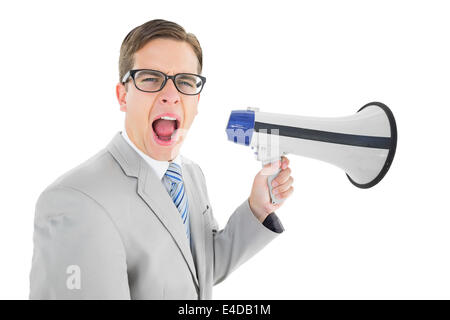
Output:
(149, 80)
(186, 83)
(148, 77)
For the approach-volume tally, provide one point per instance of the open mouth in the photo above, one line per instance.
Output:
(165, 128)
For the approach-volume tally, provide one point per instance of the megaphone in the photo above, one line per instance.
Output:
(363, 144)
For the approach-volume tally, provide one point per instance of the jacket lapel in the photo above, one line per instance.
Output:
(152, 191)
(197, 227)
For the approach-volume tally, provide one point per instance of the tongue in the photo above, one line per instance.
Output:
(164, 128)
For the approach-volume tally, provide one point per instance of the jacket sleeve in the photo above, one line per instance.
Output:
(78, 252)
(243, 236)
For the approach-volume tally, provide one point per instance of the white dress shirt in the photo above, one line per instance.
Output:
(160, 167)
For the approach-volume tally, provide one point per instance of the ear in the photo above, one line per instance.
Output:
(121, 93)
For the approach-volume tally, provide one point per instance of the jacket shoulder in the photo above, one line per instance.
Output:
(86, 172)
(97, 174)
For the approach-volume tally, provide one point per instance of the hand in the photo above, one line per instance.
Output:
(259, 199)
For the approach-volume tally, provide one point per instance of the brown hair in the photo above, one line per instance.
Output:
(153, 29)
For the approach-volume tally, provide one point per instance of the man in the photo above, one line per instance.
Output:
(134, 221)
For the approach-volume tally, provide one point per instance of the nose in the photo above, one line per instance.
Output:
(169, 94)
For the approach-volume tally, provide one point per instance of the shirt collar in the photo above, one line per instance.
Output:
(160, 167)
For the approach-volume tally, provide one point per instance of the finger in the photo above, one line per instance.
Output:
(284, 162)
(286, 194)
(285, 186)
(282, 177)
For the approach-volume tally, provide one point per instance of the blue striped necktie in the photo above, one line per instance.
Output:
(173, 181)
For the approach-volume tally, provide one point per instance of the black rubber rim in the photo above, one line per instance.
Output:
(393, 147)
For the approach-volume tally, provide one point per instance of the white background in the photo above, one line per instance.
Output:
(59, 64)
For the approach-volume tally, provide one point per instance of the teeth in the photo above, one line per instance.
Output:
(167, 118)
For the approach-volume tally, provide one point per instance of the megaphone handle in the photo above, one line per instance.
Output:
(269, 184)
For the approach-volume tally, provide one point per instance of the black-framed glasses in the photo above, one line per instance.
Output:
(149, 80)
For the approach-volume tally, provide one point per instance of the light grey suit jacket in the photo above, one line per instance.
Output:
(111, 221)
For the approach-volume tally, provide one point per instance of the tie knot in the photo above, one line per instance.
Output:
(174, 172)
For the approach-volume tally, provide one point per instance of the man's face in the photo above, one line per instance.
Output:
(145, 128)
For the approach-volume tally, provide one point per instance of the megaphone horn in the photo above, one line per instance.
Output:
(363, 144)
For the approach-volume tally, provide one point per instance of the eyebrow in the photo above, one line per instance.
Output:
(161, 70)
(149, 71)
